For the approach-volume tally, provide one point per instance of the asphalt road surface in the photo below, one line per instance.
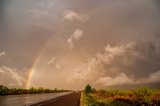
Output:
(49, 99)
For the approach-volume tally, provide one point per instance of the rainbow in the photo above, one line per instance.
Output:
(32, 69)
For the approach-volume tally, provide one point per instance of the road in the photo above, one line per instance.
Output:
(49, 99)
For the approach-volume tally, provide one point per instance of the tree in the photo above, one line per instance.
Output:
(88, 89)
(40, 90)
(3, 90)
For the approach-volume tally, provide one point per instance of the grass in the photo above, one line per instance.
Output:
(118, 97)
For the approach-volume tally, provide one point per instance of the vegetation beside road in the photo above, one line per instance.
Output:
(16, 91)
(121, 97)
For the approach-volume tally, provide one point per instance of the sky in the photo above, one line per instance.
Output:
(70, 43)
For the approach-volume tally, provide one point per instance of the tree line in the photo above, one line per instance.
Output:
(16, 91)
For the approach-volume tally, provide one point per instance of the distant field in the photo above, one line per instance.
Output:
(121, 97)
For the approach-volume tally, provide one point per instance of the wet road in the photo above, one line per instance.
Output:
(72, 99)
(28, 99)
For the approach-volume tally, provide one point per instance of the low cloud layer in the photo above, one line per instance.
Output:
(118, 80)
(112, 67)
(124, 79)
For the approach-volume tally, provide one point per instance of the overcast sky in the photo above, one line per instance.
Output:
(72, 43)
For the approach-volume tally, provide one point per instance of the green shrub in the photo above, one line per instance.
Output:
(88, 89)
(4, 90)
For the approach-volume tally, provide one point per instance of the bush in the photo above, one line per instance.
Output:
(88, 89)
(144, 94)
(4, 90)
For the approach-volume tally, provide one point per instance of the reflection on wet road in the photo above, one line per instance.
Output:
(28, 99)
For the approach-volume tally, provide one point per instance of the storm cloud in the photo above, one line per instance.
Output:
(104, 43)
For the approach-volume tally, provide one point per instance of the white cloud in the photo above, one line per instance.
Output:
(76, 36)
(93, 70)
(51, 61)
(70, 43)
(2, 53)
(112, 58)
(118, 80)
(111, 52)
(54, 62)
(71, 15)
(13, 76)
(124, 79)
(57, 65)
(153, 77)
(86, 72)
(1, 71)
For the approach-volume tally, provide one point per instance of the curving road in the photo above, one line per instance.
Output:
(50, 99)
